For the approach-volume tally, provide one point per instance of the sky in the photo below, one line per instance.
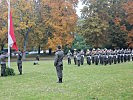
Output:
(80, 6)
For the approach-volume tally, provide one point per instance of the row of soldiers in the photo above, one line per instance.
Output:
(103, 56)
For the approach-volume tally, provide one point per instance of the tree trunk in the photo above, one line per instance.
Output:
(25, 42)
(2, 47)
(39, 50)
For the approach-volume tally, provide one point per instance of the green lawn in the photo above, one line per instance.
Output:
(38, 82)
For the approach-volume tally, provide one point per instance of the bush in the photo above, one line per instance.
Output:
(9, 72)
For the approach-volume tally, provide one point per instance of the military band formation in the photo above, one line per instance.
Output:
(95, 56)
(100, 56)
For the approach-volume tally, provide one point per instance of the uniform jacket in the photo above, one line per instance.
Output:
(58, 58)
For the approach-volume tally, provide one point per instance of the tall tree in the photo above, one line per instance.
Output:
(129, 10)
(93, 30)
(63, 20)
(24, 21)
(3, 24)
(79, 42)
(108, 11)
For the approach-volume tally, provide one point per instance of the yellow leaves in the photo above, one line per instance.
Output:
(30, 24)
(59, 40)
(23, 25)
(52, 43)
(3, 32)
(63, 20)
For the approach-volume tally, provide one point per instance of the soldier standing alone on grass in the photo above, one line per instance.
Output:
(19, 62)
(58, 63)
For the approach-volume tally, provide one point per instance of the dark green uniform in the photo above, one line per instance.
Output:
(3, 64)
(19, 62)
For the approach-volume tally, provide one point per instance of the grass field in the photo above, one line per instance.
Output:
(38, 82)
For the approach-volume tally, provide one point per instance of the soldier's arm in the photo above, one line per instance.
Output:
(56, 59)
(2, 56)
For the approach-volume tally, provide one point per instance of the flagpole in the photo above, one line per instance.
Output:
(8, 1)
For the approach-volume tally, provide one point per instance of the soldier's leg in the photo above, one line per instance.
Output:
(75, 60)
(2, 70)
(83, 60)
(79, 62)
(59, 74)
(68, 60)
(88, 61)
(20, 68)
(129, 58)
(95, 62)
(109, 61)
(92, 60)
(105, 63)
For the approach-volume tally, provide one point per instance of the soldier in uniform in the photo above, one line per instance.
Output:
(121, 55)
(129, 54)
(3, 63)
(125, 57)
(101, 57)
(19, 62)
(58, 63)
(118, 56)
(93, 53)
(88, 57)
(110, 59)
(114, 57)
(132, 54)
(69, 54)
(96, 58)
(78, 57)
(75, 57)
(82, 57)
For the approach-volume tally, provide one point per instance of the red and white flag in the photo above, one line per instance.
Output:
(11, 36)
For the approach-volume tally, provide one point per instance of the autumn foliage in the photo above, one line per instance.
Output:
(129, 10)
(63, 20)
